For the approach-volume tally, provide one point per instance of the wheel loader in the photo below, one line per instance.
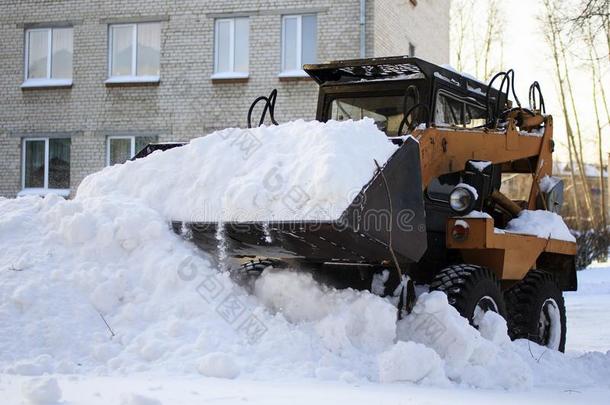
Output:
(435, 214)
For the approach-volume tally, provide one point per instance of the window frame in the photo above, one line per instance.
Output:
(299, 51)
(230, 74)
(45, 189)
(47, 81)
(109, 138)
(462, 100)
(133, 77)
(132, 139)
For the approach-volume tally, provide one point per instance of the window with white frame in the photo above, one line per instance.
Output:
(121, 148)
(231, 47)
(299, 43)
(46, 164)
(134, 52)
(48, 57)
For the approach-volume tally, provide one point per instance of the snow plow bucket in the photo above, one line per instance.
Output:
(388, 211)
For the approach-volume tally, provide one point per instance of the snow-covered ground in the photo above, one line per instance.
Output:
(588, 330)
(589, 311)
(198, 390)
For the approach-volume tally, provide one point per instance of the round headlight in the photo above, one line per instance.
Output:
(461, 200)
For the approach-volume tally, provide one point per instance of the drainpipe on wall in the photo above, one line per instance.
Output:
(362, 28)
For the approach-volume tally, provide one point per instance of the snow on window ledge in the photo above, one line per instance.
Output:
(132, 79)
(44, 191)
(229, 75)
(40, 83)
(293, 73)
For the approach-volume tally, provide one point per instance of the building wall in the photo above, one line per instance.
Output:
(400, 22)
(187, 102)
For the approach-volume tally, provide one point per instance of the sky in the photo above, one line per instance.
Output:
(526, 52)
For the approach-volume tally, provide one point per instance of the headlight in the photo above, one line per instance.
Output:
(462, 200)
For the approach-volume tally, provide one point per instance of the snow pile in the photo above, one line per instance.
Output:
(294, 171)
(483, 359)
(106, 287)
(101, 286)
(540, 223)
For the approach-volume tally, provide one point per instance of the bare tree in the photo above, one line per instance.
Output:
(477, 28)
(597, 60)
(568, 84)
(493, 34)
(461, 16)
(594, 13)
(552, 31)
(594, 75)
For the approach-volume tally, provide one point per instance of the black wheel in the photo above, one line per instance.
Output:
(536, 310)
(472, 290)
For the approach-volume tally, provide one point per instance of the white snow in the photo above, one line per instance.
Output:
(445, 78)
(536, 133)
(103, 286)
(468, 357)
(220, 365)
(474, 89)
(294, 171)
(72, 266)
(396, 77)
(101, 298)
(548, 182)
(591, 170)
(41, 391)
(378, 282)
(462, 223)
(411, 362)
(480, 165)
(137, 399)
(470, 188)
(476, 214)
(540, 223)
(467, 75)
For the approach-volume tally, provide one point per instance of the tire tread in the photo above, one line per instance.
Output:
(521, 302)
(458, 282)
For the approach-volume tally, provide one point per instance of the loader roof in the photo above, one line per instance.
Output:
(390, 68)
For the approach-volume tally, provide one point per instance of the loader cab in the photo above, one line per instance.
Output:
(385, 89)
(388, 89)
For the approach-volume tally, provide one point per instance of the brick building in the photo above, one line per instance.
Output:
(84, 84)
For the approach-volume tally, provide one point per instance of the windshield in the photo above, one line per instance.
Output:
(386, 111)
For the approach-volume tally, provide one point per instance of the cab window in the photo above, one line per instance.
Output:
(450, 110)
(386, 111)
(474, 116)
